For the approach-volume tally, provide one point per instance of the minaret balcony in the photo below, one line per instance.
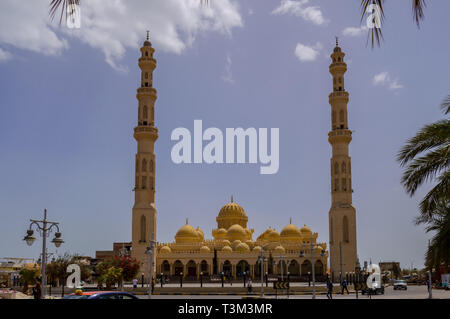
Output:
(142, 132)
(340, 135)
(147, 62)
(338, 96)
(338, 67)
(146, 91)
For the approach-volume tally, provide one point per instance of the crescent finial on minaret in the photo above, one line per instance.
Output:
(148, 35)
(337, 41)
(232, 198)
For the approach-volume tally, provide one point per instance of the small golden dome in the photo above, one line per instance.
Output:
(235, 243)
(280, 250)
(291, 231)
(273, 236)
(165, 250)
(187, 233)
(257, 249)
(227, 249)
(226, 242)
(205, 249)
(236, 232)
(242, 247)
(305, 230)
(219, 233)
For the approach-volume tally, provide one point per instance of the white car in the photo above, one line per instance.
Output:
(400, 284)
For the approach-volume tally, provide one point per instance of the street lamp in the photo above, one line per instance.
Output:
(221, 277)
(261, 260)
(244, 275)
(142, 280)
(302, 254)
(45, 227)
(201, 279)
(162, 279)
(181, 279)
(150, 252)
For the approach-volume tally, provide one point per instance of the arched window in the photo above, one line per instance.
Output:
(144, 165)
(345, 229)
(344, 168)
(331, 230)
(151, 166)
(144, 182)
(336, 185)
(344, 184)
(336, 168)
(145, 112)
(341, 115)
(143, 229)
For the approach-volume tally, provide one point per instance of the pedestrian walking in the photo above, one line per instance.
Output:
(135, 282)
(37, 290)
(249, 285)
(344, 287)
(330, 290)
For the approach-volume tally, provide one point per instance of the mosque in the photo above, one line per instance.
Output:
(232, 250)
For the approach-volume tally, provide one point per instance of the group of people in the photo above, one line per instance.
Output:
(344, 287)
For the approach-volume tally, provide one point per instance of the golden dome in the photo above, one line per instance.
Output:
(257, 249)
(230, 214)
(290, 231)
(187, 233)
(165, 250)
(226, 242)
(219, 233)
(205, 249)
(273, 235)
(279, 249)
(305, 230)
(235, 243)
(242, 247)
(236, 232)
(227, 249)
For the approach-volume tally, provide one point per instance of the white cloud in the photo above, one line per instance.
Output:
(384, 79)
(228, 77)
(4, 56)
(307, 53)
(354, 32)
(114, 26)
(297, 8)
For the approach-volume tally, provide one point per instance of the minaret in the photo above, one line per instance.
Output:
(145, 133)
(342, 215)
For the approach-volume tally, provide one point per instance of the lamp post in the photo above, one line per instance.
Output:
(44, 227)
(142, 280)
(201, 279)
(281, 265)
(221, 278)
(150, 252)
(244, 275)
(267, 279)
(261, 260)
(302, 254)
(181, 279)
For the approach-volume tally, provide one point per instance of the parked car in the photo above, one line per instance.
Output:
(101, 295)
(400, 284)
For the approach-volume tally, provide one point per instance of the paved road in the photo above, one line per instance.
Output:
(413, 292)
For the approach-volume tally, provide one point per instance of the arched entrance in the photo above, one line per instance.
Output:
(165, 268)
(294, 268)
(191, 268)
(241, 267)
(204, 267)
(177, 268)
(318, 268)
(227, 268)
(306, 267)
(257, 269)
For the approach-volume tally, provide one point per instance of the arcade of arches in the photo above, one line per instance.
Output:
(232, 251)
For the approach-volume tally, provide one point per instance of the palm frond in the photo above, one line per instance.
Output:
(63, 5)
(445, 106)
(433, 199)
(425, 168)
(418, 7)
(430, 136)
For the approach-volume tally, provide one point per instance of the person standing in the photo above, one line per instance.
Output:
(344, 286)
(135, 283)
(37, 290)
(330, 290)
(249, 285)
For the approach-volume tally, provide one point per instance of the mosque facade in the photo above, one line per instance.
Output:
(232, 250)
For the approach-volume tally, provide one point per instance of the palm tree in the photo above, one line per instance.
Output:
(427, 157)
(439, 249)
(418, 7)
(28, 277)
(63, 5)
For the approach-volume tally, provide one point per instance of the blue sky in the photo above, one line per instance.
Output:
(68, 108)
